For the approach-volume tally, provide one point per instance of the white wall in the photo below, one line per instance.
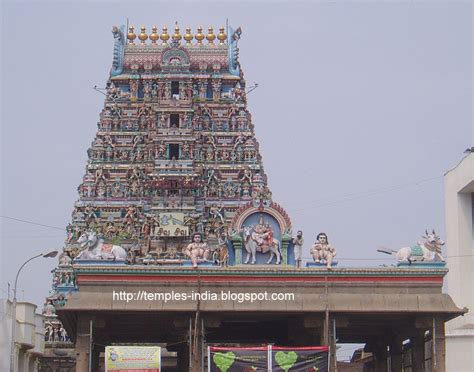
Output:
(459, 190)
(5, 334)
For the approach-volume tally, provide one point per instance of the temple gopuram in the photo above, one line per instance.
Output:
(176, 247)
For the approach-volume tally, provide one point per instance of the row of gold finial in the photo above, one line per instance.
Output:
(188, 37)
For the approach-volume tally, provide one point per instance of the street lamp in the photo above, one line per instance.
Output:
(12, 356)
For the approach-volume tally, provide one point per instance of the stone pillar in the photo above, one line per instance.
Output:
(237, 244)
(396, 356)
(82, 343)
(418, 352)
(380, 355)
(285, 243)
(439, 347)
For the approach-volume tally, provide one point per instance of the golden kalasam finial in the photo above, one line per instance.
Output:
(165, 36)
(210, 35)
(143, 36)
(222, 36)
(154, 35)
(199, 36)
(188, 36)
(131, 35)
(176, 35)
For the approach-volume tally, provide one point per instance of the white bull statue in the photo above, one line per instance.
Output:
(95, 249)
(427, 251)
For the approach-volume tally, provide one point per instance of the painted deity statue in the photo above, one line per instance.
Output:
(197, 250)
(260, 239)
(263, 234)
(322, 251)
(298, 247)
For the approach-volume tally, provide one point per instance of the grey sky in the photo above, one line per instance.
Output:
(352, 97)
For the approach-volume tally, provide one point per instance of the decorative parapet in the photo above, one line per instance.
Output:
(283, 272)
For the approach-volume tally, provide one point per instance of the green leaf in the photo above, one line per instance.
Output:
(224, 361)
(286, 360)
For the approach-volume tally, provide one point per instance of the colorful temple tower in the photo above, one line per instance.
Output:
(175, 151)
(175, 200)
(175, 154)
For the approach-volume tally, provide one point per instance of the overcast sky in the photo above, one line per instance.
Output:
(360, 110)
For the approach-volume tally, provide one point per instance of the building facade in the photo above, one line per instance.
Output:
(29, 343)
(459, 199)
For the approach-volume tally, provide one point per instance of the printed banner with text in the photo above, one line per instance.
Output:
(268, 358)
(133, 358)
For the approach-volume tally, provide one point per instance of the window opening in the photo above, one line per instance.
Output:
(175, 89)
(174, 121)
(173, 153)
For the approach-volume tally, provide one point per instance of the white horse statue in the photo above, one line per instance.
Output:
(96, 249)
(428, 251)
(250, 242)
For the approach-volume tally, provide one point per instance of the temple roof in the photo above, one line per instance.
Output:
(151, 53)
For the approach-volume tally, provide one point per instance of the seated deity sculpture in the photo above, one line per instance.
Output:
(197, 250)
(263, 235)
(322, 251)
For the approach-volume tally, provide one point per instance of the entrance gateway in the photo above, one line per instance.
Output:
(174, 213)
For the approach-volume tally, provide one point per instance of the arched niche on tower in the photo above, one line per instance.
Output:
(175, 60)
(264, 227)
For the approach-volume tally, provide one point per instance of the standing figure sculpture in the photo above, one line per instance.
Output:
(197, 250)
(322, 251)
(298, 247)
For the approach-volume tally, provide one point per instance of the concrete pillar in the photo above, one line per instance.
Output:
(396, 356)
(332, 345)
(439, 347)
(319, 334)
(418, 352)
(380, 355)
(32, 363)
(82, 343)
(20, 364)
(196, 348)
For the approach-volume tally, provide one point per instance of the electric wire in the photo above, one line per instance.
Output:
(360, 195)
(32, 223)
